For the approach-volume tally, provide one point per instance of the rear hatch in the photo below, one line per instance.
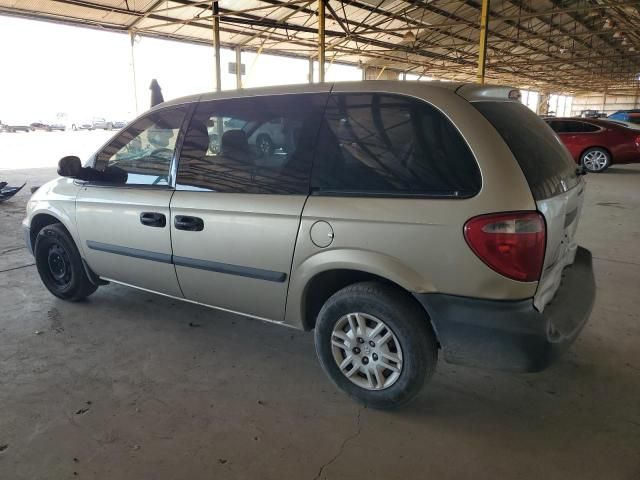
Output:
(552, 177)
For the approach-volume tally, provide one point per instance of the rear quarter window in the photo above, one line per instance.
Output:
(543, 158)
(374, 144)
(587, 128)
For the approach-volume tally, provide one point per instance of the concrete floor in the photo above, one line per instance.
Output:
(122, 386)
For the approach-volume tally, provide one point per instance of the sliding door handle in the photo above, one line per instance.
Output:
(153, 219)
(191, 224)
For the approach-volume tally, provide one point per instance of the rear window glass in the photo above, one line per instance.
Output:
(544, 160)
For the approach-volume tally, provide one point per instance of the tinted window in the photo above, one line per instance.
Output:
(143, 152)
(559, 126)
(251, 145)
(582, 127)
(569, 126)
(544, 160)
(379, 144)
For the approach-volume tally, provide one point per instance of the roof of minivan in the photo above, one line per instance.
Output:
(470, 91)
(390, 85)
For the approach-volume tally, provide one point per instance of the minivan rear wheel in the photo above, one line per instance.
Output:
(60, 265)
(374, 342)
(595, 159)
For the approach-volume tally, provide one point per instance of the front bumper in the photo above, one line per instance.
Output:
(513, 335)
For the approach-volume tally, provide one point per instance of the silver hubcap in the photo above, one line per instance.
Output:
(366, 351)
(595, 160)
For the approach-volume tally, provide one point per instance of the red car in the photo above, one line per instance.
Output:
(596, 144)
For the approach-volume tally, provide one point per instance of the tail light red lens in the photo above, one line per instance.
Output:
(638, 141)
(512, 244)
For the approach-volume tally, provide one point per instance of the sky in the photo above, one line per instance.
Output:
(48, 70)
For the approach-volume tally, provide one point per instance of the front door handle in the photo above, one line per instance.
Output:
(191, 224)
(153, 219)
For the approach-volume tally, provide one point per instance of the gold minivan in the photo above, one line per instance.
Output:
(396, 219)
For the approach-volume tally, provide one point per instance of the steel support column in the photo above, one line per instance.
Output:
(321, 44)
(482, 47)
(216, 45)
(132, 38)
(238, 67)
(543, 103)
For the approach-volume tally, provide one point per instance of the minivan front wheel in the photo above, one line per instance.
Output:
(376, 344)
(596, 159)
(60, 265)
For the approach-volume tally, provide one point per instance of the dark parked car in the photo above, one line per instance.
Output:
(15, 128)
(47, 127)
(596, 144)
(592, 114)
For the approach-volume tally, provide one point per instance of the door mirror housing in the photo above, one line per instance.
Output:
(69, 166)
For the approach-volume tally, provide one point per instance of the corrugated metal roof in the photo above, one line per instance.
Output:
(561, 45)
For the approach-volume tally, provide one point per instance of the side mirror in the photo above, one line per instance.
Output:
(69, 167)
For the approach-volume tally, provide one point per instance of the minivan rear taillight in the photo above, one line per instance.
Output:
(511, 243)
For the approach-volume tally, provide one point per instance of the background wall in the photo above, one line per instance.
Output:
(604, 103)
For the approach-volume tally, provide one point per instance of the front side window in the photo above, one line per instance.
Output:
(251, 145)
(142, 154)
(380, 144)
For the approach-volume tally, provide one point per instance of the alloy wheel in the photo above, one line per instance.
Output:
(366, 351)
(595, 160)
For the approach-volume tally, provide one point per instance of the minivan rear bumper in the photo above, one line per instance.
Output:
(513, 335)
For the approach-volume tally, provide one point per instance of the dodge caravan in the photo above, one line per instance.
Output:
(397, 220)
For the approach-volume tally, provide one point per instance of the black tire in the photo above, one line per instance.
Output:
(404, 318)
(265, 145)
(60, 265)
(595, 151)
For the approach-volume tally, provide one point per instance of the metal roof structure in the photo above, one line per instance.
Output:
(566, 46)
